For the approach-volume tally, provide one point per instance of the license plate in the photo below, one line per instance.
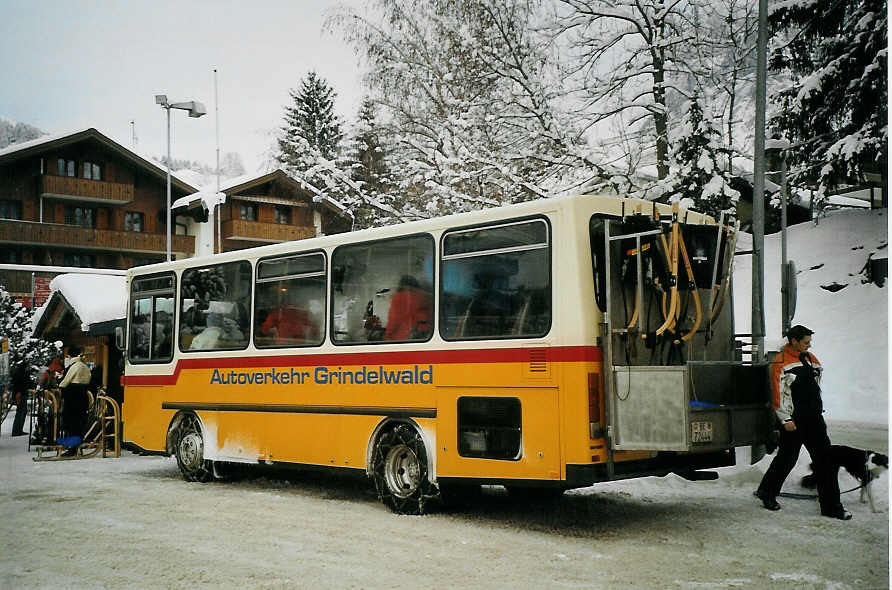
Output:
(701, 432)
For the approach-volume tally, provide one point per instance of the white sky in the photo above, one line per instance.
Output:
(75, 64)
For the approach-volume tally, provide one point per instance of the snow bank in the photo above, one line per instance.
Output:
(850, 324)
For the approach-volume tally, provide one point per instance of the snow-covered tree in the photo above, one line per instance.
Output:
(701, 179)
(469, 96)
(312, 130)
(368, 168)
(231, 165)
(626, 61)
(831, 101)
(17, 132)
(15, 325)
(721, 67)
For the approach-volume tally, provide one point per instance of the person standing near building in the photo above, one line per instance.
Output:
(74, 395)
(21, 385)
(796, 398)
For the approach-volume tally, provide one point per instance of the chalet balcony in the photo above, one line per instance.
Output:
(82, 189)
(70, 236)
(273, 233)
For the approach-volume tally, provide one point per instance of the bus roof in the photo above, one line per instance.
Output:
(610, 202)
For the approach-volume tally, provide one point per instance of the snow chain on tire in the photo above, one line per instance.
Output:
(189, 451)
(400, 471)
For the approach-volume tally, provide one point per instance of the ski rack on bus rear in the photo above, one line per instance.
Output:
(675, 406)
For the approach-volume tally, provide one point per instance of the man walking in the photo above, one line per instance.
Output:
(796, 398)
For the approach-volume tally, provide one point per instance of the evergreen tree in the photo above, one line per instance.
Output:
(832, 103)
(702, 179)
(367, 166)
(312, 134)
(15, 325)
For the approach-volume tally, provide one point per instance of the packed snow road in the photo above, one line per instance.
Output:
(133, 523)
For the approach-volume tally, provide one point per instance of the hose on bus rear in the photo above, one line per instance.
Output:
(672, 249)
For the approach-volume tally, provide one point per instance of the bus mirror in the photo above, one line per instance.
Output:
(119, 338)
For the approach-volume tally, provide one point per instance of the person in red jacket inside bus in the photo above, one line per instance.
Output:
(290, 325)
(409, 317)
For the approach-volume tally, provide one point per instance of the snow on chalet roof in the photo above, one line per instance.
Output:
(147, 159)
(211, 198)
(94, 298)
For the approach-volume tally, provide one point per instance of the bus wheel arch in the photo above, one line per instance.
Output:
(400, 463)
(186, 438)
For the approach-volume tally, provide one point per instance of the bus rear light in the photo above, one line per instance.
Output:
(594, 405)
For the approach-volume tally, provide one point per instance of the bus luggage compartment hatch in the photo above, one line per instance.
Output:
(698, 406)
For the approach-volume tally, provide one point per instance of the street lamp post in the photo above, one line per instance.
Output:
(196, 109)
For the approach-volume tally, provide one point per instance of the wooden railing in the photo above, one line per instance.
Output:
(239, 229)
(29, 232)
(92, 190)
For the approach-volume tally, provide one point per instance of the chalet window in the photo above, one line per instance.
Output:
(133, 221)
(66, 167)
(81, 260)
(283, 214)
(92, 171)
(249, 212)
(80, 216)
(10, 209)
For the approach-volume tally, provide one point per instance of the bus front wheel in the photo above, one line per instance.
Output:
(400, 471)
(190, 451)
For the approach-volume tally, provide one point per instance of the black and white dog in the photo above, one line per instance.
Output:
(863, 465)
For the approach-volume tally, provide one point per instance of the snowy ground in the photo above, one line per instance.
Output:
(133, 523)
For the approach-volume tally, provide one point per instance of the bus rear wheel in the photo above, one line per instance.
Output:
(190, 451)
(400, 471)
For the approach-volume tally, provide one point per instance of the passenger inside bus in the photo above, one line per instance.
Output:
(221, 332)
(163, 332)
(283, 317)
(192, 322)
(409, 317)
(140, 328)
(289, 325)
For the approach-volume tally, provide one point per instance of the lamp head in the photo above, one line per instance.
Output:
(198, 109)
(161, 99)
(195, 108)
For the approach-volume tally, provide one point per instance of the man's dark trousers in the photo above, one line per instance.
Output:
(813, 434)
(21, 412)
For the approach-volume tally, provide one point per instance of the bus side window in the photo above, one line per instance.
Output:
(383, 291)
(215, 303)
(290, 301)
(151, 318)
(496, 282)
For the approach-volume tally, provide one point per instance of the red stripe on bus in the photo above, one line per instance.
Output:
(563, 354)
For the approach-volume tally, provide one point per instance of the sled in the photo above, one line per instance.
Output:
(104, 434)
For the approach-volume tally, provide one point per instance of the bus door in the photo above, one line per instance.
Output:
(149, 349)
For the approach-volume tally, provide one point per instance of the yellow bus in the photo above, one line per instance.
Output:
(541, 346)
